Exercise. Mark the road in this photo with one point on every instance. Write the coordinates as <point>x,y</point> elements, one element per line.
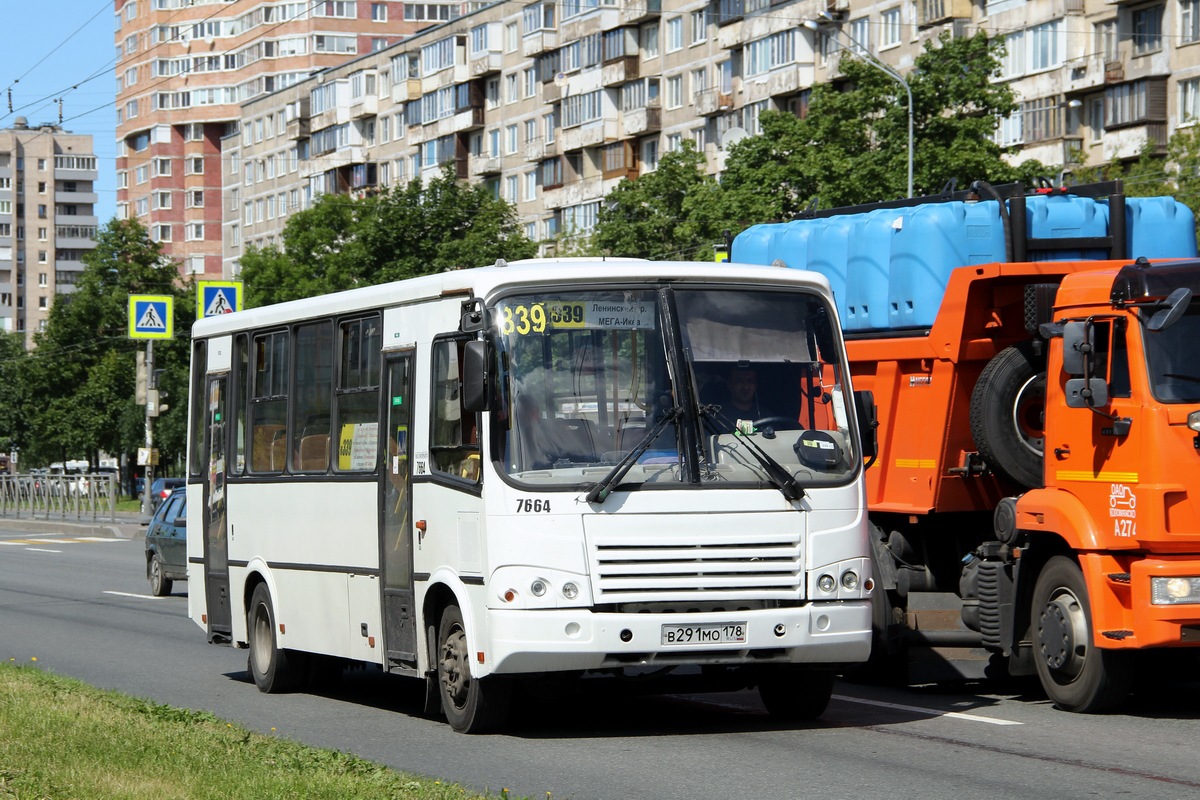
<point>80,605</point>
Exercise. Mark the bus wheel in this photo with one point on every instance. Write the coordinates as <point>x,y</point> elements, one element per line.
<point>471,705</point>
<point>1077,675</point>
<point>795,694</point>
<point>268,664</point>
<point>160,584</point>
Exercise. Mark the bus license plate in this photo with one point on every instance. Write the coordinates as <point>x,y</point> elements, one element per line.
<point>719,633</point>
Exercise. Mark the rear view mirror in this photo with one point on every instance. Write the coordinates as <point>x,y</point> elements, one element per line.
<point>868,422</point>
<point>1176,303</point>
<point>477,376</point>
<point>1086,393</point>
<point>1078,342</point>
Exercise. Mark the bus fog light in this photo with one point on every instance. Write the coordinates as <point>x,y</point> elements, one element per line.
<point>826,583</point>
<point>538,587</point>
<point>1174,591</point>
<point>850,580</point>
<point>570,591</point>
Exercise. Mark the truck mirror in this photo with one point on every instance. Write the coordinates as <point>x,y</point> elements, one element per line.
<point>868,422</point>
<point>1176,303</point>
<point>1078,342</point>
<point>1086,393</point>
<point>477,376</point>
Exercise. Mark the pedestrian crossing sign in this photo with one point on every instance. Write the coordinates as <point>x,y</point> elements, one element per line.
<point>151,316</point>
<point>214,298</point>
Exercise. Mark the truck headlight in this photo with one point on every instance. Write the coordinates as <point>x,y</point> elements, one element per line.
<point>1174,591</point>
<point>1194,421</point>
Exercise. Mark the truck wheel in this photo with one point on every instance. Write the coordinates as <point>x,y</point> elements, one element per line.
<point>794,694</point>
<point>1008,415</point>
<point>1077,675</point>
<point>471,705</point>
<point>272,668</point>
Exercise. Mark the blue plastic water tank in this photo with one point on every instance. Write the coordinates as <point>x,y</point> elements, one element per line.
<point>792,242</point>
<point>868,259</point>
<point>1065,217</point>
<point>828,252</point>
<point>753,245</point>
<point>930,243</point>
<point>1159,227</point>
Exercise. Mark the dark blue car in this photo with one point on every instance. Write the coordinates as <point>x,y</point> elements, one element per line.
<point>166,544</point>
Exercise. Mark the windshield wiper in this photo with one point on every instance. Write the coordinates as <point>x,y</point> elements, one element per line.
<point>600,492</point>
<point>777,474</point>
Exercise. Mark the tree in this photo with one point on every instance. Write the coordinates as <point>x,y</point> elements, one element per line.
<point>13,399</point>
<point>669,213</point>
<point>418,229</point>
<point>852,145</point>
<point>80,377</point>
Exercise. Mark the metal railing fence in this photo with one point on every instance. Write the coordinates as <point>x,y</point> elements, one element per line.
<point>91,496</point>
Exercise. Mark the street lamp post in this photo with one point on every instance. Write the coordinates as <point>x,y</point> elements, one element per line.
<point>861,50</point>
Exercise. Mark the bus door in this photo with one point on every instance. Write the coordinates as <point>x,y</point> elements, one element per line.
<point>216,533</point>
<point>399,620</point>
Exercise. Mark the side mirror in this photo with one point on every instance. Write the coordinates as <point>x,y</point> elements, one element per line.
<point>1086,393</point>
<point>868,422</point>
<point>1176,303</point>
<point>477,376</point>
<point>1078,343</point>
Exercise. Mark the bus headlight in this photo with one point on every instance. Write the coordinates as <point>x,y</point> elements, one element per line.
<point>538,587</point>
<point>1174,591</point>
<point>570,590</point>
<point>826,583</point>
<point>850,580</point>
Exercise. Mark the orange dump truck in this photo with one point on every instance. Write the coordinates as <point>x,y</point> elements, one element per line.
<point>1039,443</point>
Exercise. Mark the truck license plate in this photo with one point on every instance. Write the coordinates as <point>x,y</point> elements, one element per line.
<point>717,633</point>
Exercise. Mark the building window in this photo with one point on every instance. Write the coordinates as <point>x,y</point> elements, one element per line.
<point>510,139</point>
<point>379,12</point>
<point>674,34</point>
<point>699,26</point>
<point>1045,51</point>
<point>767,54</point>
<point>1189,101</point>
<point>194,231</point>
<point>195,264</point>
<point>530,185</point>
<point>650,41</point>
<point>860,33</point>
<point>1131,103</point>
<point>889,28</point>
<point>161,233</point>
<point>1042,119</point>
<point>162,166</point>
<point>1147,30</point>
<point>649,155</point>
<point>1189,21</point>
<point>675,91</point>
<point>1106,40</point>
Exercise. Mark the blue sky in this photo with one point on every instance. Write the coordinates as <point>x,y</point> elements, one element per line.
<point>49,47</point>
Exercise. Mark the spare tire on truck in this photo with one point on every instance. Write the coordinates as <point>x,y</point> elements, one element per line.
<point>1008,415</point>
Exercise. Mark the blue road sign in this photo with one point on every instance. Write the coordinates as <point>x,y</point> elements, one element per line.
<point>151,316</point>
<point>218,297</point>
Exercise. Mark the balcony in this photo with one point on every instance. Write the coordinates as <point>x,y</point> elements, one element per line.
<point>602,18</point>
<point>1083,74</point>
<point>642,120</point>
<point>1114,71</point>
<point>589,134</point>
<point>298,128</point>
<point>638,10</point>
<point>486,64</point>
<point>406,90</point>
<point>935,12</point>
<point>1131,140</point>
<point>465,120</point>
<point>76,197</point>
<point>481,165</point>
<point>626,68</point>
<point>459,73</point>
<point>541,42</point>
<point>712,101</point>
<point>535,150</point>
<point>365,106</point>
<point>785,81</point>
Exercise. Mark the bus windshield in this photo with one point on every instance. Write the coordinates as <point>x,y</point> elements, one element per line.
<point>700,385</point>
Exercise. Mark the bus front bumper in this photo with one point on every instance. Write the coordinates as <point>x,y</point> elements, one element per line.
<point>524,641</point>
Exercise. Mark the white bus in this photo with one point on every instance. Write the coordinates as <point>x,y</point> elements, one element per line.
<point>496,474</point>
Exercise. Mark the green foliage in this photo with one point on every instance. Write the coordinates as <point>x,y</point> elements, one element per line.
<point>75,390</point>
<point>665,214</point>
<point>418,229</point>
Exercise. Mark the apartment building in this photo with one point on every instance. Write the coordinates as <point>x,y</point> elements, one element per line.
<point>552,103</point>
<point>47,220</point>
<point>183,69</point>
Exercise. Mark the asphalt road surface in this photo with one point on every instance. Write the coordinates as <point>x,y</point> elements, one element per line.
<point>81,606</point>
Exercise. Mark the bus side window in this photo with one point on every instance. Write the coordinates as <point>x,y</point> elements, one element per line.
<point>268,402</point>
<point>356,429</point>
<point>454,447</point>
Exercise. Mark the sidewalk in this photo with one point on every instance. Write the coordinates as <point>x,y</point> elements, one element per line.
<point>128,525</point>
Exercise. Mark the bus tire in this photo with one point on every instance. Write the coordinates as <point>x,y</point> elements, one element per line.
<point>1076,675</point>
<point>795,694</point>
<point>270,666</point>
<point>160,584</point>
<point>1008,415</point>
<point>470,704</point>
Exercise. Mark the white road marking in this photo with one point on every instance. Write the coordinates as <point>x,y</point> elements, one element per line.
<point>138,596</point>
<point>41,550</point>
<point>932,712</point>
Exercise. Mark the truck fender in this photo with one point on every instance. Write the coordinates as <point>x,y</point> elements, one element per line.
<point>1060,513</point>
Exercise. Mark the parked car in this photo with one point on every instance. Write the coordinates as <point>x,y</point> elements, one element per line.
<point>166,544</point>
<point>161,489</point>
